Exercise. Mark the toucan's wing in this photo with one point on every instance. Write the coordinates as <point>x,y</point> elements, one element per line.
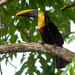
<point>54,33</point>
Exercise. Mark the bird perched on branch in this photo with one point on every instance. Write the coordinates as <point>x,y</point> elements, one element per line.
<point>49,32</point>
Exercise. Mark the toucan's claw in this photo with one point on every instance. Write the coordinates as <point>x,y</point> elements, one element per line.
<point>42,43</point>
<point>55,45</point>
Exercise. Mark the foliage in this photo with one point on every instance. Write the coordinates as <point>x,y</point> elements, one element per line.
<point>12,26</point>
<point>70,68</point>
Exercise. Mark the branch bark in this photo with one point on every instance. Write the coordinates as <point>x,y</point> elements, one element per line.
<point>37,47</point>
<point>4,1</point>
<point>68,6</point>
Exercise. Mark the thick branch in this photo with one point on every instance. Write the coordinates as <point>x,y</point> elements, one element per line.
<point>4,1</point>
<point>37,47</point>
<point>68,6</point>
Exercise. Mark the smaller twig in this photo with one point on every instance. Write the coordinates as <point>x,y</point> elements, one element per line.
<point>12,65</point>
<point>1,29</point>
<point>67,34</point>
<point>7,60</point>
<point>22,31</point>
<point>25,34</point>
<point>68,6</point>
<point>2,58</point>
<point>11,20</point>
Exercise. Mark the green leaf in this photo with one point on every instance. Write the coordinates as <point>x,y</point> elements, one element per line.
<point>11,56</point>
<point>71,38</point>
<point>23,57</point>
<point>23,3</point>
<point>13,38</point>
<point>60,3</point>
<point>68,68</point>
<point>59,72</point>
<point>6,60</point>
<point>15,54</point>
<point>74,66</point>
<point>73,60</point>
<point>70,13</point>
<point>21,70</point>
<point>33,4</point>
<point>50,3</point>
<point>71,71</point>
<point>64,73</point>
<point>5,11</point>
<point>1,42</point>
<point>19,41</point>
<point>41,3</point>
<point>24,38</point>
<point>65,25</point>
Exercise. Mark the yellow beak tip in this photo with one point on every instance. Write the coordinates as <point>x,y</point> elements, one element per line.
<point>16,15</point>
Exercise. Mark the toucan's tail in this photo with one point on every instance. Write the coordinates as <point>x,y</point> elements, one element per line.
<point>61,63</point>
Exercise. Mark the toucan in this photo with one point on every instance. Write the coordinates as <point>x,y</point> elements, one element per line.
<point>49,32</point>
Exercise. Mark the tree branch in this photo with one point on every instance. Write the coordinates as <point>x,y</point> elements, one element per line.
<point>4,1</point>
<point>68,6</point>
<point>37,47</point>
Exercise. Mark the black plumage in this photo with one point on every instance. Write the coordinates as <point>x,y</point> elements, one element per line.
<point>51,35</point>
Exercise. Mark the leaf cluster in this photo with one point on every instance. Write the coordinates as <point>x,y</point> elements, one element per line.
<point>70,68</point>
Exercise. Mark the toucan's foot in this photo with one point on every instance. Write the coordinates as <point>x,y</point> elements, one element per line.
<point>42,43</point>
<point>55,45</point>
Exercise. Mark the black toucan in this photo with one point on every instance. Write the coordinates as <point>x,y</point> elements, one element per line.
<point>49,32</point>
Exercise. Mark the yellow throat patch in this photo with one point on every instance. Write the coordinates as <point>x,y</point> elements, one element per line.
<point>41,20</point>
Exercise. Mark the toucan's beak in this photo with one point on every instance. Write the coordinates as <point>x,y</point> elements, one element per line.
<point>30,13</point>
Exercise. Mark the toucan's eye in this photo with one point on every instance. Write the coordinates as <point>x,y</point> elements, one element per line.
<point>39,11</point>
